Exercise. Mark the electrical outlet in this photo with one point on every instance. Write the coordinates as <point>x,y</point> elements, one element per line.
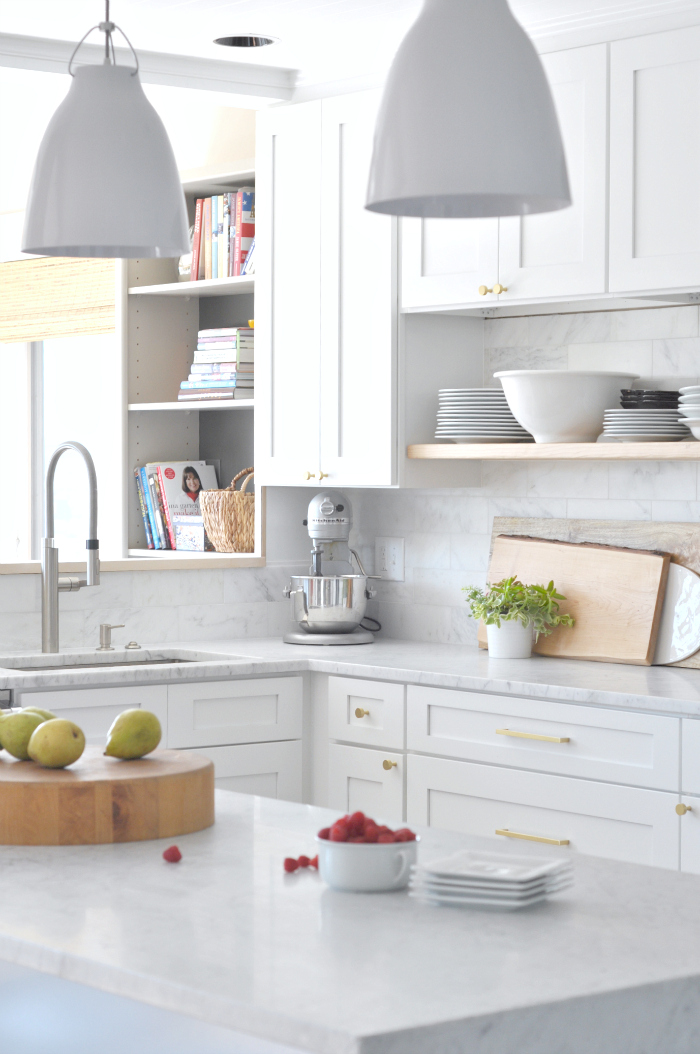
<point>389,559</point>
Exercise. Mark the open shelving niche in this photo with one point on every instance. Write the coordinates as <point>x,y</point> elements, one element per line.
<point>162,317</point>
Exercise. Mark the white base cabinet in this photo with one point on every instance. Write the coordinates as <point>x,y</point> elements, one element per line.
<point>226,712</point>
<point>94,709</point>
<point>621,823</point>
<point>272,770</point>
<point>359,780</point>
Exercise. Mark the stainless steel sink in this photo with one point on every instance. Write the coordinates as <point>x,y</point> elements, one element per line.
<point>119,657</point>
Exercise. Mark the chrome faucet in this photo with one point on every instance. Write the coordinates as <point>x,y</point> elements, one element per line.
<point>51,583</point>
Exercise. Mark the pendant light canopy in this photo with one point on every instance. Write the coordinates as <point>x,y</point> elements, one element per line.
<point>105,181</point>
<point>467,125</point>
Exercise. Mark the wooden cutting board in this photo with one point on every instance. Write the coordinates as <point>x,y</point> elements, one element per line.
<point>614,594</point>
<point>99,799</point>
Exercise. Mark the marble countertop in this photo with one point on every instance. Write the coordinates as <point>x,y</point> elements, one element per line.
<point>656,689</point>
<point>225,936</point>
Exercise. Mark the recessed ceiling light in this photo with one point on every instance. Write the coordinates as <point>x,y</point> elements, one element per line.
<point>246,40</point>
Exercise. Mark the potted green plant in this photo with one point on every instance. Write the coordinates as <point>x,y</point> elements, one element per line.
<point>514,613</point>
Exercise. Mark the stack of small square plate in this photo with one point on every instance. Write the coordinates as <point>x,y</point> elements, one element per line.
<point>490,880</point>
<point>477,415</point>
<point>644,425</point>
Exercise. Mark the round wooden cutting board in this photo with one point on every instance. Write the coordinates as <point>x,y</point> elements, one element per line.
<point>100,799</point>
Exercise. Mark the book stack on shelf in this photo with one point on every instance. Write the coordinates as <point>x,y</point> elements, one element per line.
<point>223,241</point>
<point>169,501</point>
<point>223,366</point>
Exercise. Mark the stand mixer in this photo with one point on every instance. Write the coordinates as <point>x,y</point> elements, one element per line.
<point>329,603</point>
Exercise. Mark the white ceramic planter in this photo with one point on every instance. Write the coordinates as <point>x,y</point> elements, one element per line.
<point>511,641</point>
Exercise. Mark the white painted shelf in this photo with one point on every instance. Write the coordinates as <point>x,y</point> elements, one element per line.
<point>206,287</point>
<point>206,404</point>
<point>557,451</point>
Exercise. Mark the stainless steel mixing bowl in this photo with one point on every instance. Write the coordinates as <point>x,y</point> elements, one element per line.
<point>329,603</point>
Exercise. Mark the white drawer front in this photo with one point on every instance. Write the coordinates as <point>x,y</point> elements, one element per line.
<point>621,823</point>
<point>223,712</point>
<point>370,713</point>
<point>638,749</point>
<point>272,770</point>
<point>94,709</point>
<point>357,780</point>
<point>690,764</point>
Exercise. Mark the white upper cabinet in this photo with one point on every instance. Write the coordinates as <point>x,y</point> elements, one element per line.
<point>655,162</point>
<point>444,262</point>
<point>563,253</point>
<point>287,294</point>
<point>326,301</point>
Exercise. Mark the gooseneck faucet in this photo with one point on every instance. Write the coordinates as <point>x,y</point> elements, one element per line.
<point>51,583</point>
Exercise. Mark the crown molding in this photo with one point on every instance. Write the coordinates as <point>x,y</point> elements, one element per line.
<point>181,71</point>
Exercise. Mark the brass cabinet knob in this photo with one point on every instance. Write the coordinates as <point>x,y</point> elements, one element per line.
<point>322,475</point>
<point>389,765</point>
<point>498,288</point>
<point>361,713</point>
<point>682,809</point>
<point>484,289</point>
<point>309,475</point>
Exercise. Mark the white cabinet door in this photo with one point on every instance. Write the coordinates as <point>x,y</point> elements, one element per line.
<point>370,713</point>
<point>690,756</point>
<point>443,262</point>
<point>358,304</point>
<point>94,709</point>
<point>272,770</point>
<point>655,161</point>
<point>357,780</point>
<point>287,294</point>
<point>621,823</point>
<point>218,712</point>
<point>564,253</point>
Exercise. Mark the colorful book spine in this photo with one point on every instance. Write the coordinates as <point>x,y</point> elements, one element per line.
<point>166,508</point>
<point>144,510</point>
<point>149,506</point>
<point>213,367</point>
<point>231,233</point>
<point>245,226</point>
<point>155,501</point>
<point>205,378</point>
<point>249,265</point>
<point>197,240</point>
<point>184,385</point>
<point>207,396</point>
<point>215,237</point>
<point>207,237</point>
<point>223,234</point>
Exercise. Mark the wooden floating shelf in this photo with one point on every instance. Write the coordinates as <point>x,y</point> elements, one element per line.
<point>556,451</point>
<point>207,287</point>
<point>206,404</point>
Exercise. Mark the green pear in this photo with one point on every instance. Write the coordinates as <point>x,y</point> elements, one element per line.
<point>17,730</point>
<point>46,714</point>
<point>132,734</point>
<point>56,743</point>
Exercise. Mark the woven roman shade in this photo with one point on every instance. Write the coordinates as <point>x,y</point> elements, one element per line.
<point>50,297</point>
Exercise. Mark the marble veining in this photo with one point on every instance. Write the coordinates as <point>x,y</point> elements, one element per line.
<point>227,937</point>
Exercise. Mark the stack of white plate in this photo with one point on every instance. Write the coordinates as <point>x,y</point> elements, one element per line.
<point>689,407</point>
<point>477,415</point>
<point>490,880</point>
<point>644,426</point>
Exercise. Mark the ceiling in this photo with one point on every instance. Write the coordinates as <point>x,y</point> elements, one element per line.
<point>322,39</point>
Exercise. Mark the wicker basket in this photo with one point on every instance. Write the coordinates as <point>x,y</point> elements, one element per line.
<point>229,516</point>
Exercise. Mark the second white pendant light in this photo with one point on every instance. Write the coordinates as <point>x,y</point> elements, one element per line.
<point>467,125</point>
<point>105,181</point>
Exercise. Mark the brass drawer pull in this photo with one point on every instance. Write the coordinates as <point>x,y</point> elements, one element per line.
<point>531,837</point>
<point>531,735</point>
<point>361,713</point>
<point>389,765</point>
<point>682,809</point>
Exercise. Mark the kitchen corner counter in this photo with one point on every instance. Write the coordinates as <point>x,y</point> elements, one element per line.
<point>226,937</point>
<point>653,689</point>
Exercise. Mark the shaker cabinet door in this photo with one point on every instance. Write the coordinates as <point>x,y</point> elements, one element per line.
<point>443,262</point>
<point>563,253</point>
<point>358,780</point>
<point>655,161</point>
<point>271,770</point>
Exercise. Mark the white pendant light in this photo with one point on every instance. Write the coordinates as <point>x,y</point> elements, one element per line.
<point>105,181</point>
<point>467,125</point>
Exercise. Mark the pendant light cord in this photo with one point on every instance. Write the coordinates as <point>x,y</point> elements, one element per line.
<point>107,28</point>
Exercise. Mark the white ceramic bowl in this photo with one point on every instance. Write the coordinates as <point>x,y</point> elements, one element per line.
<point>694,426</point>
<point>563,406</point>
<point>355,867</point>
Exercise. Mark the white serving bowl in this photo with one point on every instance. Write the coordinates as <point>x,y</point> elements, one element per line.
<point>563,406</point>
<point>356,867</point>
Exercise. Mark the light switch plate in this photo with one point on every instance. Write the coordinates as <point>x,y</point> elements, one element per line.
<point>389,559</point>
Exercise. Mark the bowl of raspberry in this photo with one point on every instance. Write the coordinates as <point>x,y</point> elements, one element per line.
<point>358,855</point>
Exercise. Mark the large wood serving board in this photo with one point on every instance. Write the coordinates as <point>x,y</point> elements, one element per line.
<point>614,594</point>
<point>681,540</point>
<point>100,799</point>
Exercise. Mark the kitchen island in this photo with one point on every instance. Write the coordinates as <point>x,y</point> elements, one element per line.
<point>226,937</point>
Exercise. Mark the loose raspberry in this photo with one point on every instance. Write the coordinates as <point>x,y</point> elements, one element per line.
<point>356,823</point>
<point>303,861</point>
<point>290,864</point>
<point>172,855</point>
<point>384,839</point>
<point>404,835</point>
<point>325,832</point>
<point>384,829</point>
<point>356,838</point>
<point>313,862</point>
<point>371,833</point>
<point>339,832</point>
